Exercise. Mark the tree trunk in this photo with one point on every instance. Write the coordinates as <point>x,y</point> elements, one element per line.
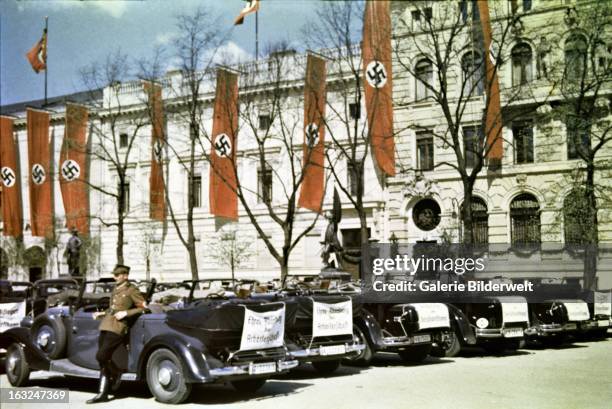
<point>120,217</point>
<point>592,240</point>
<point>466,213</point>
<point>191,242</point>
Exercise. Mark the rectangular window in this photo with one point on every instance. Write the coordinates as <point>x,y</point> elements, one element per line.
<point>425,151</point>
<point>264,122</point>
<point>264,185</point>
<point>126,197</point>
<point>526,5</point>
<point>428,13</point>
<point>523,141</point>
<point>353,177</point>
<point>355,110</point>
<point>197,191</point>
<point>416,16</point>
<point>472,143</point>
<point>123,140</point>
<point>578,138</point>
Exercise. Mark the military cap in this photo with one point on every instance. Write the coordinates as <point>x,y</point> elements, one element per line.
<point>121,269</point>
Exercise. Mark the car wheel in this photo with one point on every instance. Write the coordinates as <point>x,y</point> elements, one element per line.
<point>365,356</point>
<point>326,367</point>
<point>165,377</point>
<point>16,365</point>
<point>249,385</point>
<point>49,335</point>
<point>415,354</point>
<point>452,346</point>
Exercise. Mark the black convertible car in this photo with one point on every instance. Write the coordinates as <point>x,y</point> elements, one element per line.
<point>213,339</point>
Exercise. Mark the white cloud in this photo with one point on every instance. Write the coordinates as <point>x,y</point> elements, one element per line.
<point>231,53</point>
<point>115,8</point>
<point>165,38</point>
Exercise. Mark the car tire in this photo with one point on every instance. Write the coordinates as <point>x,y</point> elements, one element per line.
<point>415,354</point>
<point>365,356</point>
<point>326,367</point>
<point>249,385</point>
<point>49,335</point>
<point>16,365</point>
<point>165,377</point>
<point>452,347</point>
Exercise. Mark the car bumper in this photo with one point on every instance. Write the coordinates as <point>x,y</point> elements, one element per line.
<point>545,330</point>
<point>394,342</point>
<point>254,369</point>
<point>593,324</point>
<point>492,333</point>
<point>327,352</point>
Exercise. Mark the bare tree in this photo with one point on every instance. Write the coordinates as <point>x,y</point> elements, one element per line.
<point>231,250</point>
<point>580,63</point>
<point>114,127</point>
<point>451,71</point>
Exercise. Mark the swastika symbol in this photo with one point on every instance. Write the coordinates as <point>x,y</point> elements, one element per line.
<point>38,174</point>
<point>70,170</point>
<point>312,135</point>
<point>223,146</point>
<point>8,176</point>
<point>376,74</point>
<point>158,149</point>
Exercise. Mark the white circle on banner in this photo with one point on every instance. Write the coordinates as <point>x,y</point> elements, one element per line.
<point>70,170</point>
<point>376,74</point>
<point>8,176</point>
<point>312,135</point>
<point>223,146</point>
<point>38,174</point>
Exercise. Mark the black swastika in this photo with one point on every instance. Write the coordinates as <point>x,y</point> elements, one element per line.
<point>38,174</point>
<point>70,170</point>
<point>376,74</point>
<point>223,146</point>
<point>8,177</point>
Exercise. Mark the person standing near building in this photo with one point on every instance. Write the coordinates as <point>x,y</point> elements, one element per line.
<point>126,301</point>
<point>73,253</point>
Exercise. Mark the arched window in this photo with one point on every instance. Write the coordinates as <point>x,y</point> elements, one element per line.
<point>480,221</point>
<point>473,74</point>
<point>575,57</point>
<point>424,75</point>
<point>525,219</point>
<point>575,218</point>
<point>521,64</point>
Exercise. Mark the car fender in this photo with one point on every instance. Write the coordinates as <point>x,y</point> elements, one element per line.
<point>368,324</point>
<point>461,325</point>
<point>35,357</point>
<point>194,365</point>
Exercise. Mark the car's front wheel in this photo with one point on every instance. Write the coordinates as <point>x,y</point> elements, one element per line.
<point>365,356</point>
<point>16,365</point>
<point>249,385</point>
<point>165,377</point>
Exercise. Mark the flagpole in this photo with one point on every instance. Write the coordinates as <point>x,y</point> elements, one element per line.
<point>257,35</point>
<point>46,57</point>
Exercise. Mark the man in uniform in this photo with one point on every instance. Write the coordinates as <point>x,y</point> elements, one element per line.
<point>125,301</point>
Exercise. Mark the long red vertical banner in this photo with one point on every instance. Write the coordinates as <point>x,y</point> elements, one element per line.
<point>312,188</point>
<point>157,201</point>
<point>378,75</point>
<point>493,121</point>
<point>40,181</point>
<point>12,214</point>
<point>223,197</point>
<point>73,169</point>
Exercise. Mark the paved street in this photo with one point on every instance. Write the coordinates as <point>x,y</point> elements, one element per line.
<point>577,376</point>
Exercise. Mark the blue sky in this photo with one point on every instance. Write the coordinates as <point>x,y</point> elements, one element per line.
<point>81,32</point>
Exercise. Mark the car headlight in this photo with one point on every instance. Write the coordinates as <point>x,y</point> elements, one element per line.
<point>482,323</point>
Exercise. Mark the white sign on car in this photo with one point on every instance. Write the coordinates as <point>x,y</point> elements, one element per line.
<point>603,303</point>
<point>432,315</point>
<point>332,319</point>
<point>263,329</point>
<point>577,310</point>
<point>514,309</point>
<point>11,314</point>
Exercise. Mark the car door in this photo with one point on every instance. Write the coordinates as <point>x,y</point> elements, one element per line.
<point>84,335</point>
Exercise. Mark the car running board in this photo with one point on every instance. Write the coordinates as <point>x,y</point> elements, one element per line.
<point>66,367</point>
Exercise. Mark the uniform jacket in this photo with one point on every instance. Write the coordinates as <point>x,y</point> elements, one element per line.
<point>125,297</point>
